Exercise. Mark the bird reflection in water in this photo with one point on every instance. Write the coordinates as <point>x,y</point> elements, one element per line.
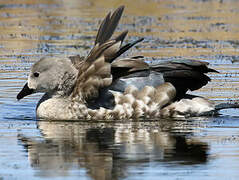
<point>108,150</point>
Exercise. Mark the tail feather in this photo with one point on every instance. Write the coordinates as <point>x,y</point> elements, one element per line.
<point>219,107</point>
<point>226,106</point>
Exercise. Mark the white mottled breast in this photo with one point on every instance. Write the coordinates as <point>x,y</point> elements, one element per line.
<point>53,108</point>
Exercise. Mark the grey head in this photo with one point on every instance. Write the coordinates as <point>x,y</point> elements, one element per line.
<point>51,75</point>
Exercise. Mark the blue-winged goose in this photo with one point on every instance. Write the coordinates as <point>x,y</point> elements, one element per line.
<point>102,86</point>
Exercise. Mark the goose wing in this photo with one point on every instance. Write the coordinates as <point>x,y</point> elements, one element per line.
<point>184,74</point>
<point>94,71</point>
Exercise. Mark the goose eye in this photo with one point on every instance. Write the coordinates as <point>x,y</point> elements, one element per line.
<point>36,74</point>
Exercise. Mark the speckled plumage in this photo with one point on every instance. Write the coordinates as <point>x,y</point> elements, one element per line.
<point>101,86</point>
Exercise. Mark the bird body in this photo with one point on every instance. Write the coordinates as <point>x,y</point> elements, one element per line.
<point>103,86</point>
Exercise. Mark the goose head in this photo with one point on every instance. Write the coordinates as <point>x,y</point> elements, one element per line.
<point>51,75</point>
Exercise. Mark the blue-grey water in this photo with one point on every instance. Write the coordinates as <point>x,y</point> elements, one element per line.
<point>194,148</point>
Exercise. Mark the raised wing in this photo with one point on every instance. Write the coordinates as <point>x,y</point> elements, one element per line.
<point>95,70</point>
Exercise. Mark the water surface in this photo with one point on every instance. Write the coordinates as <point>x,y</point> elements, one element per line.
<point>205,148</point>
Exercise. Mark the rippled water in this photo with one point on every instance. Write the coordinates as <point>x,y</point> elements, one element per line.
<point>195,148</point>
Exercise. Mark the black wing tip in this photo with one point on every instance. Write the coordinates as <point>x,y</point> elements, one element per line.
<point>139,40</point>
<point>213,70</point>
<point>135,42</point>
<point>120,8</point>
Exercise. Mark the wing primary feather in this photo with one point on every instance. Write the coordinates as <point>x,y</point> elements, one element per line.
<point>103,26</point>
<point>109,25</point>
<point>122,36</point>
<point>97,51</point>
<point>125,48</point>
<point>212,70</point>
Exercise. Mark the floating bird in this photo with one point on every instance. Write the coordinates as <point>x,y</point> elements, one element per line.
<point>104,86</point>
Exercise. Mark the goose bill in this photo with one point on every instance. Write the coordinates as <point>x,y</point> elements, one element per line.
<point>24,92</point>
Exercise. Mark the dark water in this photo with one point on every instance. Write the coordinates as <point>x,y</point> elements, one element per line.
<point>195,148</point>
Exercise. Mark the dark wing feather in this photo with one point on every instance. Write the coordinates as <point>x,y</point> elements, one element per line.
<point>108,26</point>
<point>99,50</point>
<point>104,34</point>
<point>184,80</point>
<point>123,49</point>
<point>125,67</point>
<point>196,65</point>
<point>185,64</point>
<point>122,36</point>
<point>184,74</point>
